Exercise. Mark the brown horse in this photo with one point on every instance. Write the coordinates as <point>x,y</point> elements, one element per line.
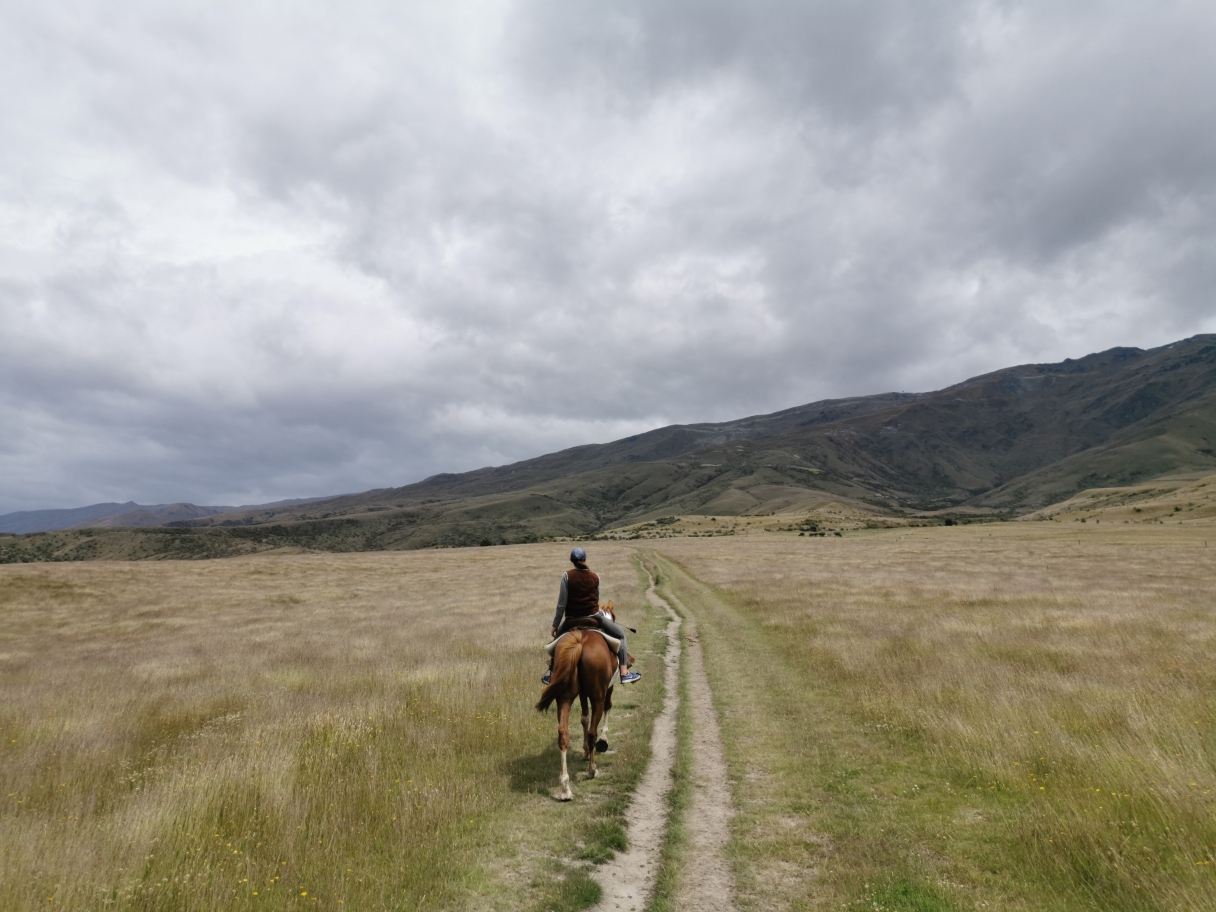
<point>584,667</point>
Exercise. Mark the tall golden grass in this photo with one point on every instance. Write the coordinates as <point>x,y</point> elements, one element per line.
<point>1016,715</point>
<point>328,731</point>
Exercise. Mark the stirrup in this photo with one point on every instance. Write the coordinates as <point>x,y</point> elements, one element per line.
<point>630,676</point>
<point>545,678</point>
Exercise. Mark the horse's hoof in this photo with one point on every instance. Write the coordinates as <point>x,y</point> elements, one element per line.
<point>563,797</point>
<point>601,746</point>
<point>592,773</point>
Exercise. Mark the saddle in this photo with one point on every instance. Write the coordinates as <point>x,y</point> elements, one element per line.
<point>585,623</point>
<point>576,623</point>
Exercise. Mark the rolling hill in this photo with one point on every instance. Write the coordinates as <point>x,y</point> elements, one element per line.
<point>118,515</point>
<point>24,521</point>
<point>999,445</point>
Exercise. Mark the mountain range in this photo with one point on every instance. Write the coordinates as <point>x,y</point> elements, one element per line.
<point>999,445</point>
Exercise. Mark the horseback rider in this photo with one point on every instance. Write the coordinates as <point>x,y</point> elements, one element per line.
<point>579,597</point>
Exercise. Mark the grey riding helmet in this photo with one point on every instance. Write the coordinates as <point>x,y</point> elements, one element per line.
<point>578,556</point>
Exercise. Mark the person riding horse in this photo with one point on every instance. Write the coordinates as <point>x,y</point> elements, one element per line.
<point>578,598</point>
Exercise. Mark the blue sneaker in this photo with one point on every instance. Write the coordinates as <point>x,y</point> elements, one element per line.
<point>630,676</point>
<point>544,679</point>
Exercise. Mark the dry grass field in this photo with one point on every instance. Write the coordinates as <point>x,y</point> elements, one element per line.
<point>315,731</point>
<point>1005,716</point>
<point>1002,716</point>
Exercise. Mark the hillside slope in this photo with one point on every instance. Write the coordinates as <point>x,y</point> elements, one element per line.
<point>1025,436</point>
<point>1176,500</point>
<point>1006,441</point>
<point>1001,444</point>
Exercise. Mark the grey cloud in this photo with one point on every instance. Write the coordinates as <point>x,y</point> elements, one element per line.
<point>1109,126</point>
<point>248,254</point>
<point>845,62</point>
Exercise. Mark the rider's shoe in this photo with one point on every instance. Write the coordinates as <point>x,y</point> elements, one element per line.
<point>630,676</point>
<point>544,679</point>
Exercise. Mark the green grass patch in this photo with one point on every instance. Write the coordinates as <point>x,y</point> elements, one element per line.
<point>604,838</point>
<point>572,891</point>
<point>905,895</point>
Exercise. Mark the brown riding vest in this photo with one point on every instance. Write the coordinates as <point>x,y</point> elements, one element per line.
<point>582,593</point>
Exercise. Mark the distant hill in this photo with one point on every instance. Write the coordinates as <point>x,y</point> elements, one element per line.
<point>159,515</point>
<point>120,515</point>
<point>999,445</point>
<point>47,520</point>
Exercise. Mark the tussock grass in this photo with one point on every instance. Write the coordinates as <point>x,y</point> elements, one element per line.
<point>970,715</point>
<point>344,731</point>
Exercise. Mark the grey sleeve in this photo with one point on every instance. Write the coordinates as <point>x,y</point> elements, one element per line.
<point>562,595</point>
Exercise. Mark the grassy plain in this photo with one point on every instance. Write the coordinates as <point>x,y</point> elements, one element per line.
<point>314,731</point>
<point>1004,716</point>
<point>1000,716</point>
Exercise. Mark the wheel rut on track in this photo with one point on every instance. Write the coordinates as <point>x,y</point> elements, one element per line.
<point>706,879</point>
<point>628,880</point>
<point>707,882</point>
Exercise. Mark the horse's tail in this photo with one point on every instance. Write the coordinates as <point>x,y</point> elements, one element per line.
<point>565,667</point>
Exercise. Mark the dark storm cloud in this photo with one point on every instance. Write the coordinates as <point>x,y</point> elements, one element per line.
<point>247,253</point>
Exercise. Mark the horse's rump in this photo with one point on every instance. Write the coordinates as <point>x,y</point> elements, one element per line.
<point>565,668</point>
<point>567,657</point>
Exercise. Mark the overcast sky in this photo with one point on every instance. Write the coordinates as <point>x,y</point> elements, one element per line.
<point>261,250</point>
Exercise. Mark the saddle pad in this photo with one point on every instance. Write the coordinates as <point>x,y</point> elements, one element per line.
<point>613,643</point>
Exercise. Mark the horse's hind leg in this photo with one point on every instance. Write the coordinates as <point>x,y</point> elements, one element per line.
<point>601,743</point>
<point>588,741</point>
<point>563,744</point>
<point>597,712</point>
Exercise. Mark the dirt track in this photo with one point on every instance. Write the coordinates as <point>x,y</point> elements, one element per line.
<point>628,880</point>
<point>706,882</point>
